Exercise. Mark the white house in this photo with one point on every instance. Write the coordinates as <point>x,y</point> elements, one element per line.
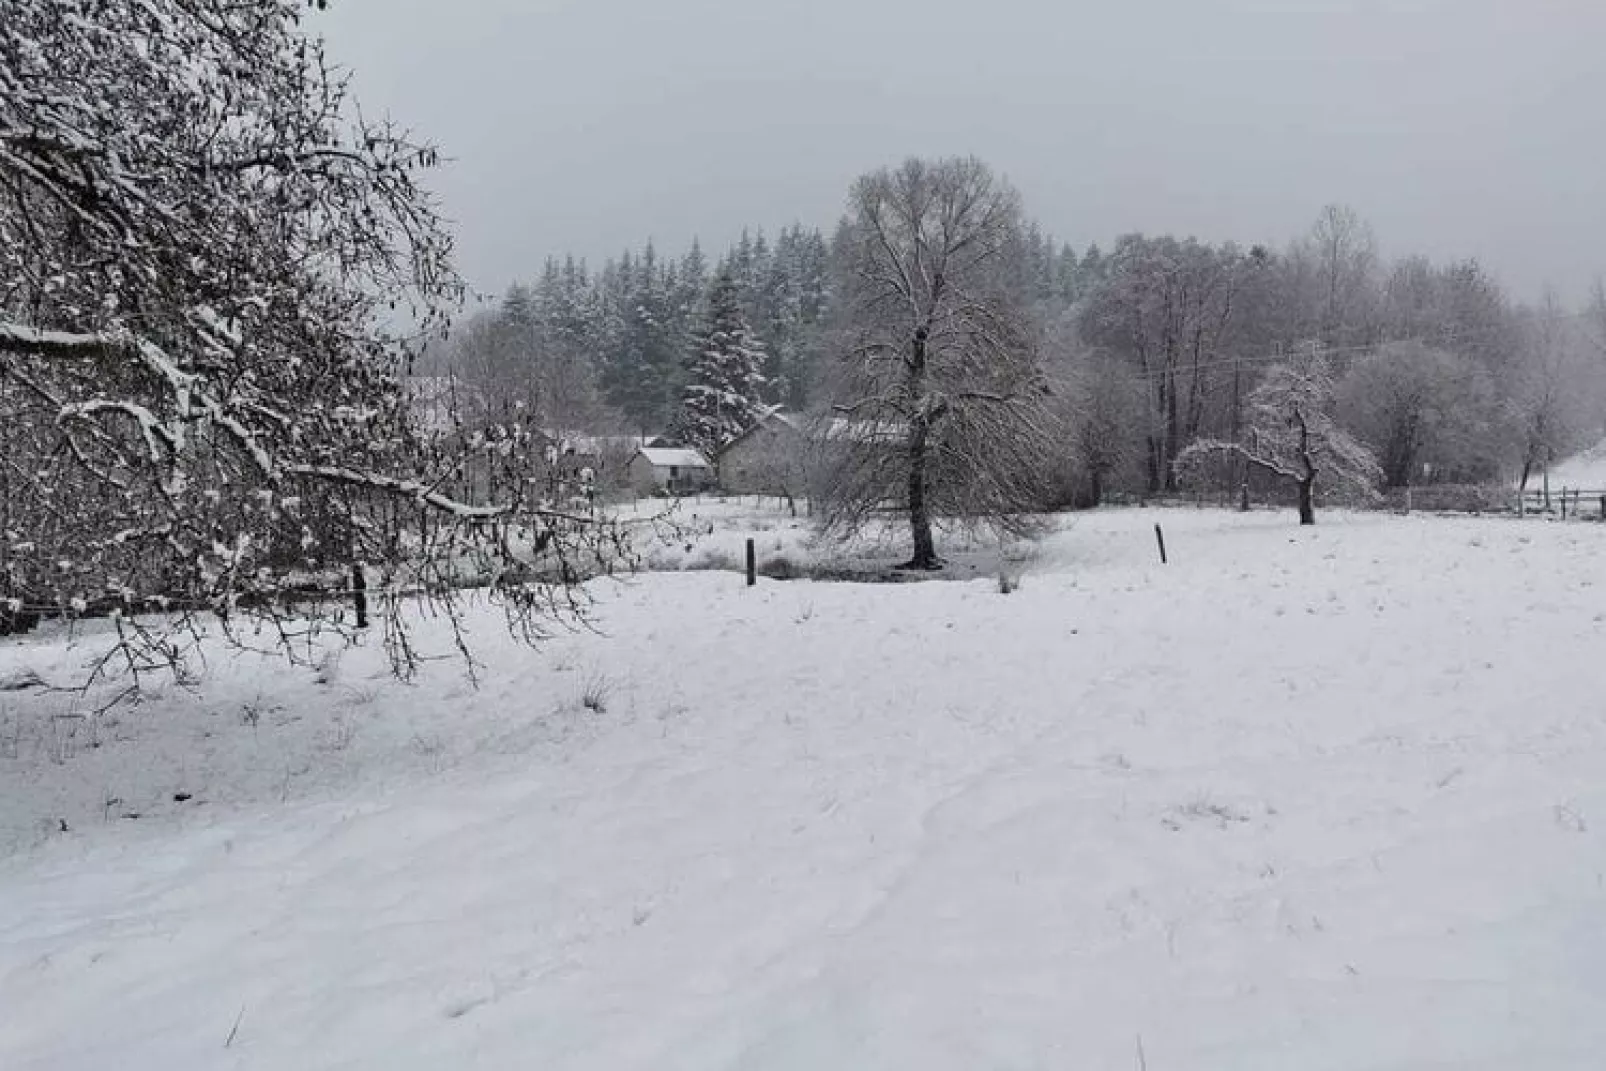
<point>675,469</point>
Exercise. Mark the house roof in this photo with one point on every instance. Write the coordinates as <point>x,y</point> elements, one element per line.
<point>673,457</point>
<point>866,431</point>
<point>593,445</point>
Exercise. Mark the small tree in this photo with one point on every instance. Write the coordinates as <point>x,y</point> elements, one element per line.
<point>724,383</point>
<point>1291,434</point>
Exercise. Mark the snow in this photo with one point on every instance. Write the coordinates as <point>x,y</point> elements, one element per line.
<point>1302,799</point>
<point>710,532</point>
<point>1585,471</point>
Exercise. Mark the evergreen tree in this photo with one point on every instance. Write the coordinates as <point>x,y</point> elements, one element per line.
<point>692,281</point>
<point>511,375</point>
<point>723,392</point>
<point>640,335</point>
<point>1067,275</point>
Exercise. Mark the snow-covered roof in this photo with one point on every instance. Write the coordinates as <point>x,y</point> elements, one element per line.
<point>841,429</point>
<point>680,457</point>
<point>778,412</point>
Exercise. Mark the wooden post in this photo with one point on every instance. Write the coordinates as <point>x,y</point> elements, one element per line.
<point>1564,503</point>
<point>752,564</point>
<point>1159,537</point>
<point>1603,507</point>
<point>359,593</point>
<point>1243,497</point>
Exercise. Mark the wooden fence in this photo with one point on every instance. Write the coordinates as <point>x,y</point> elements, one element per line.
<point>1568,503</point>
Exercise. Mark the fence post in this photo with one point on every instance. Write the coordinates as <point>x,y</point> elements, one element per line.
<point>1159,537</point>
<point>752,564</point>
<point>1564,503</point>
<point>359,593</point>
<point>1603,507</point>
<point>1243,497</point>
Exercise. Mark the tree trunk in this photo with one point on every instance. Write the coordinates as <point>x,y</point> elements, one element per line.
<point>1173,433</point>
<point>925,549</point>
<point>1096,492</point>
<point>925,552</point>
<point>1154,463</point>
<point>1307,482</point>
<point>1307,501</point>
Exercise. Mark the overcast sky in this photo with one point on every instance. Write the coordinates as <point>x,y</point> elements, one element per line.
<point>1457,127</point>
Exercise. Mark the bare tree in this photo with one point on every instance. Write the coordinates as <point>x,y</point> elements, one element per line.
<point>940,396</point>
<point>1552,395</point>
<point>1416,406</point>
<point>1343,253</point>
<point>1596,315</point>
<point>1291,434</point>
<point>200,239</point>
<point>1166,306</point>
<point>1100,408</point>
<point>1595,318</point>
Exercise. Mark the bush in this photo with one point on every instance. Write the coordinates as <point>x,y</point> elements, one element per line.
<point>779,568</point>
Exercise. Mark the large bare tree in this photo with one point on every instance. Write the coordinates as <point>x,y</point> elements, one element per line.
<point>201,241</point>
<point>940,402</point>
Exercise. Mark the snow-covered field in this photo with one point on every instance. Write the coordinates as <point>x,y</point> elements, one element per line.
<point>1302,799</point>
<point>710,532</point>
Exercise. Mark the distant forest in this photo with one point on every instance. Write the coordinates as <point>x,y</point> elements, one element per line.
<point>1151,344</point>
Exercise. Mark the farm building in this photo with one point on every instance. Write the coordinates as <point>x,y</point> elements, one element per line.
<point>603,460</point>
<point>674,469</point>
<point>768,458</point>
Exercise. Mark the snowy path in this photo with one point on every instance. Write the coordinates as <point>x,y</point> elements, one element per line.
<point>1322,799</point>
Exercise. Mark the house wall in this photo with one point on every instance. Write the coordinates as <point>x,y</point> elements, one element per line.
<point>769,461</point>
<point>688,479</point>
<point>645,478</point>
